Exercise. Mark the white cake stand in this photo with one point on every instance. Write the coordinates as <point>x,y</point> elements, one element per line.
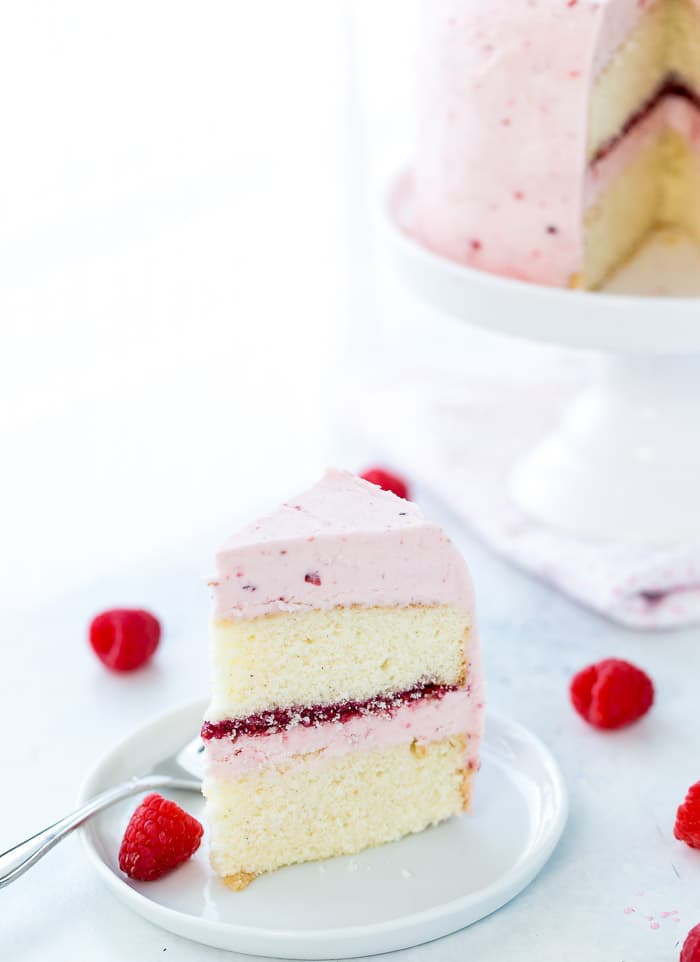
<point>624,463</point>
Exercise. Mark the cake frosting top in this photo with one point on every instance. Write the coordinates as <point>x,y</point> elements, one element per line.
<point>341,502</point>
<point>342,542</point>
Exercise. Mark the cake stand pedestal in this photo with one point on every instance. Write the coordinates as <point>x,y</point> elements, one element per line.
<point>624,463</point>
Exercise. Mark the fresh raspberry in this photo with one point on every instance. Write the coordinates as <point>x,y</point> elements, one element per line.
<point>687,827</point>
<point>612,693</point>
<point>159,837</point>
<point>387,481</point>
<point>691,947</point>
<point>124,638</point>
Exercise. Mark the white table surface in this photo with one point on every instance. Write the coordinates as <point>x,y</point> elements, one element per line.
<point>618,852</point>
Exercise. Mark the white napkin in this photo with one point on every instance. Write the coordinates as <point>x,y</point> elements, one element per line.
<point>460,433</point>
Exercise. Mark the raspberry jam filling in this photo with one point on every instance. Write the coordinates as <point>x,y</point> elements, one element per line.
<point>671,87</point>
<point>281,719</point>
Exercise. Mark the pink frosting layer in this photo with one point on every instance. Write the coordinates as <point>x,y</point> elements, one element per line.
<point>455,713</point>
<point>342,542</point>
<point>674,113</point>
<point>501,149</point>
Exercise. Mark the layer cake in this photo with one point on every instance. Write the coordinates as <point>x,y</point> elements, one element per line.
<point>555,135</point>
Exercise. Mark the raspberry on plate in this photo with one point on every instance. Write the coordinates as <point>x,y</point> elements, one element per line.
<point>691,947</point>
<point>612,693</point>
<point>159,837</point>
<point>687,827</point>
<point>124,638</point>
<point>387,481</point>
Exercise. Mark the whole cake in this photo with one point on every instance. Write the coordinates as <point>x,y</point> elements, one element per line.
<point>554,135</point>
<point>347,699</point>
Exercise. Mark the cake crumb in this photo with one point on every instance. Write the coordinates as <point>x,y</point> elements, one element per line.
<point>239,881</point>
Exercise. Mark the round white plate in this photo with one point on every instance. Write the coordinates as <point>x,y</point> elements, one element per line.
<point>392,897</point>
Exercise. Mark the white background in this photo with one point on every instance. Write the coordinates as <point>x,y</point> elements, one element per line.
<point>188,265</point>
<point>173,271</point>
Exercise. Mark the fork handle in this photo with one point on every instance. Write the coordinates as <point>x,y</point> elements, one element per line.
<point>15,861</point>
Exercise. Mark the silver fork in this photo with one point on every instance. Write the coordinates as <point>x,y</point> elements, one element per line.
<point>180,770</point>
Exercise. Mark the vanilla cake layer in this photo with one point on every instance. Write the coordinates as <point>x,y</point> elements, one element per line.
<point>681,192</point>
<point>624,216</point>
<point>304,810</point>
<point>665,44</point>
<point>651,179</point>
<point>631,79</point>
<point>334,655</point>
<point>683,51</point>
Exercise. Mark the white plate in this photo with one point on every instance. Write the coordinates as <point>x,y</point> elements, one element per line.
<point>392,897</point>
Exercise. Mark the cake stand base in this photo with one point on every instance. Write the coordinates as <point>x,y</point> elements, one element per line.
<point>624,464</point>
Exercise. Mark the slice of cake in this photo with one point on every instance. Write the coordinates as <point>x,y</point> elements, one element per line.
<point>555,136</point>
<point>347,702</point>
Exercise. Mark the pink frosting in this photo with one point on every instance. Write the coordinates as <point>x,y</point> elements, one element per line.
<point>455,713</point>
<point>342,542</point>
<point>675,113</point>
<point>501,151</point>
